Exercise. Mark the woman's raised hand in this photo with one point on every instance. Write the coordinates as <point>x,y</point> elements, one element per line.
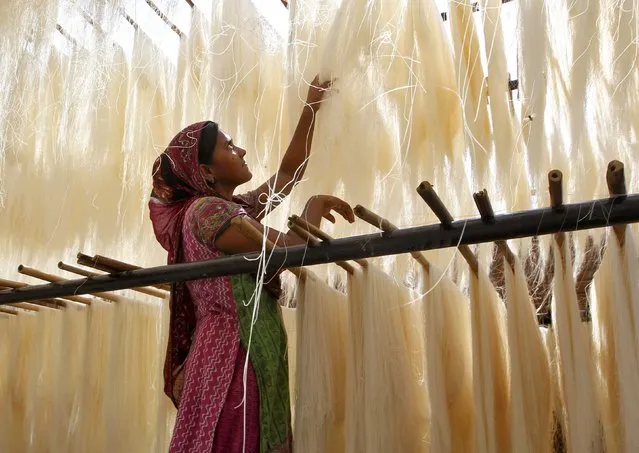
<point>321,206</point>
<point>317,91</point>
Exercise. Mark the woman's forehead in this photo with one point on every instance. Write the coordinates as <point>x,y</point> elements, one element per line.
<point>223,137</point>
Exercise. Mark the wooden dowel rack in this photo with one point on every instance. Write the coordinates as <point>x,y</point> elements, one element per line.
<point>602,213</point>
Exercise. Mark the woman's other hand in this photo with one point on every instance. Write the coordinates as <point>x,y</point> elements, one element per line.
<point>316,92</point>
<point>321,206</point>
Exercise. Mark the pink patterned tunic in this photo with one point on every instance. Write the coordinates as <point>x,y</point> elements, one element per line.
<point>211,412</point>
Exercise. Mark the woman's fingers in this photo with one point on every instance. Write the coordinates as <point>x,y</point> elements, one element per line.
<point>345,211</point>
<point>328,216</point>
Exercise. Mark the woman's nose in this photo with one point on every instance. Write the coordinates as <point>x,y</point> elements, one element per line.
<point>242,152</point>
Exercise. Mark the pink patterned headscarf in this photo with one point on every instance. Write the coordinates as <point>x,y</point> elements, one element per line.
<point>177,183</point>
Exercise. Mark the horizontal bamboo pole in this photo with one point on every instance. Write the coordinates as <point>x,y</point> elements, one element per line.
<point>601,213</point>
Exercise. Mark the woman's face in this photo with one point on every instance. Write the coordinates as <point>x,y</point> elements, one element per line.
<point>228,165</point>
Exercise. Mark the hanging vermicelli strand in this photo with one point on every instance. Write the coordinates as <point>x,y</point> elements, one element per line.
<point>558,429</point>
<point>92,432</point>
<point>135,336</point>
<point>72,377</point>
<point>510,181</point>
<point>24,359</point>
<point>46,370</point>
<point>614,318</point>
<point>448,365</point>
<point>533,85</point>
<point>490,367</point>
<point>321,376</point>
<point>395,419</point>
<point>8,330</point>
<point>355,398</point>
<point>531,395</point>
<point>471,86</point>
<point>576,371</point>
<point>289,318</point>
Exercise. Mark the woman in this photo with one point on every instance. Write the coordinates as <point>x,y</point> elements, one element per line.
<point>191,207</point>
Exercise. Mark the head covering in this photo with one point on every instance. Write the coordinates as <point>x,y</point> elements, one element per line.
<point>177,183</point>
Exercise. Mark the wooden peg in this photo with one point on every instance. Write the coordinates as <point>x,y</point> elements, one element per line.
<point>555,181</point>
<point>484,206</point>
<point>302,233</point>
<point>7,310</point>
<point>314,242</point>
<point>17,285</point>
<point>616,181</point>
<point>325,237</point>
<point>86,273</point>
<point>55,279</point>
<point>487,213</point>
<point>66,34</point>
<point>428,194</point>
<point>250,232</point>
<point>111,266</point>
<point>31,306</point>
<point>164,18</point>
<point>374,219</point>
<point>310,228</point>
<point>44,303</point>
<point>387,227</point>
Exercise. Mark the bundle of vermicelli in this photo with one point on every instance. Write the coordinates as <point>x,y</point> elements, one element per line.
<point>490,367</point>
<point>355,398</point>
<point>575,366</point>
<point>289,318</point>
<point>558,429</point>
<point>387,394</point>
<point>470,83</point>
<point>615,316</point>
<point>511,181</point>
<point>530,378</point>
<point>321,367</point>
<point>533,86</point>
<point>135,359</point>
<point>21,388</point>
<point>85,378</point>
<point>149,96</point>
<point>92,430</point>
<point>72,375</point>
<point>245,85</point>
<point>7,376</point>
<point>448,365</point>
<point>46,363</point>
<point>193,88</point>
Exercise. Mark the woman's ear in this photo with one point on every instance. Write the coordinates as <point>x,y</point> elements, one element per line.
<point>207,173</point>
